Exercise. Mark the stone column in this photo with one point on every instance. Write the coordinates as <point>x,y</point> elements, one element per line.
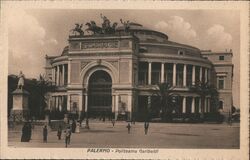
<point>174,74</point>
<point>208,105</point>
<point>206,75</point>
<point>193,75</point>
<point>184,75</point>
<point>205,105</point>
<point>116,105</point>
<point>63,74</point>
<point>80,102</point>
<point>200,109</point>
<point>69,71</point>
<point>129,107</point>
<point>86,103</point>
<point>56,97</point>
<point>162,72</point>
<point>166,73</point>
<point>57,75</point>
<point>113,104</point>
<point>184,105</point>
<point>200,74</point>
<point>193,105</point>
<point>53,75</point>
<point>149,73</point>
<point>68,103</point>
<point>60,103</point>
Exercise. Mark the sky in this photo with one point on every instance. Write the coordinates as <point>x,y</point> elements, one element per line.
<point>35,33</point>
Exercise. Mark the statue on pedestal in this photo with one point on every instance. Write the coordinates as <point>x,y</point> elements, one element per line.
<point>20,83</point>
<point>20,110</point>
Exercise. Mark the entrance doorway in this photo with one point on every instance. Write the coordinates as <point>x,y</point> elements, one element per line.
<point>100,95</point>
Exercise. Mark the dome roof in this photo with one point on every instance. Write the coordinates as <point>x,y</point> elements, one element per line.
<point>65,51</point>
<point>133,26</point>
<point>138,27</point>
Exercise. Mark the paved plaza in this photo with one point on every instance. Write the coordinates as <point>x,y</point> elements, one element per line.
<point>160,135</point>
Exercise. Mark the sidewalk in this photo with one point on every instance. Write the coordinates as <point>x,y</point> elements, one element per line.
<point>160,135</point>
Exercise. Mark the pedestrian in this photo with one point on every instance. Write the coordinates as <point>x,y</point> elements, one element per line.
<point>45,133</point>
<point>73,126</point>
<point>78,127</point>
<point>67,136</point>
<point>87,124</point>
<point>59,132</point>
<point>113,122</point>
<point>29,130</point>
<point>129,127</point>
<point>146,125</point>
<point>24,137</point>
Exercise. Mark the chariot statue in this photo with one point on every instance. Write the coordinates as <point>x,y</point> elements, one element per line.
<point>77,29</point>
<point>106,25</point>
<point>93,28</point>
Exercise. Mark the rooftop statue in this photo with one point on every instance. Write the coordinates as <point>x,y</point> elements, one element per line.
<point>93,27</point>
<point>125,24</point>
<point>106,26</point>
<point>78,29</point>
<point>20,83</point>
<point>106,22</point>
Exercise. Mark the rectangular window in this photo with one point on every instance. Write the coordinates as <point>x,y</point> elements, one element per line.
<point>221,58</point>
<point>221,84</point>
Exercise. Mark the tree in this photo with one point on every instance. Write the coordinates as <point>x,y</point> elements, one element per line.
<point>44,86</point>
<point>204,89</point>
<point>165,98</point>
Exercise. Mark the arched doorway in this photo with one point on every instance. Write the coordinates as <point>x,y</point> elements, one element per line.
<point>100,94</point>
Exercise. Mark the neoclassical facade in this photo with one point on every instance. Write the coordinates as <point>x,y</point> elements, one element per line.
<point>116,73</point>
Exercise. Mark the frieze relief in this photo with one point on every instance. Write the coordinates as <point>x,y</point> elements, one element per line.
<point>93,45</point>
<point>74,46</point>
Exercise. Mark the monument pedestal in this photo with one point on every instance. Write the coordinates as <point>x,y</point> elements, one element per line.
<point>20,110</point>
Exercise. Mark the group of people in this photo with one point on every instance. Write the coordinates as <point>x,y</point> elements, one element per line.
<point>73,128</point>
<point>26,132</point>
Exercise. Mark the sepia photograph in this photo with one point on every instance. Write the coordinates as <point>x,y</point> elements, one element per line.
<point>123,80</point>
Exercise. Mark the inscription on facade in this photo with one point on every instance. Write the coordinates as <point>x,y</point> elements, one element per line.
<point>92,45</point>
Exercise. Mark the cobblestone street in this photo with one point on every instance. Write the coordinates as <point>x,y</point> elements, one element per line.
<point>160,135</point>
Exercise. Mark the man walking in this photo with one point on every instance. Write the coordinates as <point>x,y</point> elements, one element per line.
<point>146,125</point>
<point>113,122</point>
<point>59,132</point>
<point>129,127</point>
<point>45,134</point>
<point>67,136</point>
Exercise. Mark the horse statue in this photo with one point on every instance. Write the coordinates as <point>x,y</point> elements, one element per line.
<point>110,30</point>
<point>126,25</point>
<point>93,28</point>
<point>77,29</point>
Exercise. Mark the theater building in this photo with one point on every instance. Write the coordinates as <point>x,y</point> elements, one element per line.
<point>116,73</point>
